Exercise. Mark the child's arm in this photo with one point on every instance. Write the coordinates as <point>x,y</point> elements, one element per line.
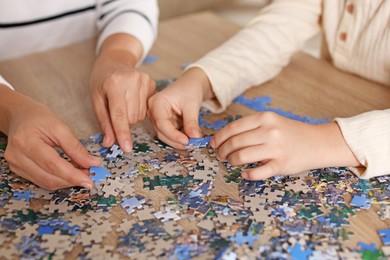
<point>119,91</point>
<point>33,132</point>
<point>258,52</point>
<point>254,55</point>
<point>368,136</point>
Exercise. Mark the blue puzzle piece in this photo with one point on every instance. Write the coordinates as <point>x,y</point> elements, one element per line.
<point>97,139</point>
<point>115,151</point>
<point>205,187</point>
<point>361,201</point>
<point>100,174</point>
<point>150,59</point>
<point>22,195</point>
<point>193,202</point>
<point>261,104</point>
<point>130,204</point>
<point>194,142</point>
<point>296,252</point>
<point>385,235</point>
<point>198,142</point>
<point>257,103</point>
<point>370,247</point>
<point>196,193</point>
<point>71,230</point>
<point>240,239</point>
<point>217,125</point>
<point>206,140</point>
<point>104,151</point>
<point>46,230</point>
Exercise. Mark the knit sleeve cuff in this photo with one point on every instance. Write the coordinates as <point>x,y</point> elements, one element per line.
<point>223,95</point>
<point>368,137</point>
<point>134,25</point>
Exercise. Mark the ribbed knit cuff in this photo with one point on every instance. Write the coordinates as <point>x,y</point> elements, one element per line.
<point>134,25</point>
<point>368,137</point>
<point>222,94</point>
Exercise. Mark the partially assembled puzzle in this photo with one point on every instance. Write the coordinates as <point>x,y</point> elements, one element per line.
<point>158,202</point>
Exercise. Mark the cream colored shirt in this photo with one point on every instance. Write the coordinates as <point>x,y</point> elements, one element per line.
<point>357,35</point>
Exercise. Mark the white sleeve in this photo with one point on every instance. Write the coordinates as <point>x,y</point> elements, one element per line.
<point>3,81</point>
<point>138,18</point>
<point>259,51</point>
<point>368,137</point>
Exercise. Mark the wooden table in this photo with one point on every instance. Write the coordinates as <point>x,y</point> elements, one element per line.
<point>308,86</point>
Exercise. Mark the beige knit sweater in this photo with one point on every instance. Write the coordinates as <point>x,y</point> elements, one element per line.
<point>357,34</point>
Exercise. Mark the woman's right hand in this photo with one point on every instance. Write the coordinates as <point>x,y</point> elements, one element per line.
<point>34,132</point>
<point>178,106</point>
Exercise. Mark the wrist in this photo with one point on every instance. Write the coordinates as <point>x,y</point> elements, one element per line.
<point>9,101</point>
<point>333,150</point>
<point>117,56</point>
<point>197,77</point>
<point>122,48</point>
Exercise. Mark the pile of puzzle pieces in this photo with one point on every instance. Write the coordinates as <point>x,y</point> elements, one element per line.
<point>158,202</point>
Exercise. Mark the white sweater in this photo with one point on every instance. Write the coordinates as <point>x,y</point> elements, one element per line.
<point>357,34</point>
<point>28,26</point>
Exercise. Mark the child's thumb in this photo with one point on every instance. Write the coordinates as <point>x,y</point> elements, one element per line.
<point>190,122</point>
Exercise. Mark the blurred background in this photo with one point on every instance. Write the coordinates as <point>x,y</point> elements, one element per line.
<point>237,11</point>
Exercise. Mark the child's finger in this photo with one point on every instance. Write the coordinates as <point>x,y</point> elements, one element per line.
<point>165,139</point>
<point>260,173</point>
<point>241,125</point>
<point>191,121</point>
<point>249,154</point>
<point>240,141</point>
<point>169,142</point>
<point>167,130</point>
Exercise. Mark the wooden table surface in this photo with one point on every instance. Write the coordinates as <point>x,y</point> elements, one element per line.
<point>308,86</point>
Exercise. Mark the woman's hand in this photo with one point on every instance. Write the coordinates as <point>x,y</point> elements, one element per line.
<point>282,145</point>
<point>34,133</point>
<point>119,91</point>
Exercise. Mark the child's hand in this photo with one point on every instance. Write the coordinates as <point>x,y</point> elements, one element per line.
<point>33,133</point>
<point>119,91</point>
<point>178,106</point>
<point>282,145</point>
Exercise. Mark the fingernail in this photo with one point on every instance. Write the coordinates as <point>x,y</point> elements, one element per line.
<point>212,143</point>
<point>217,155</point>
<point>244,175</point>
<point>196,132</point>
<point>128,147</point>
<point>105,142</point>
<point>86,185</point>
<point>183,140</point>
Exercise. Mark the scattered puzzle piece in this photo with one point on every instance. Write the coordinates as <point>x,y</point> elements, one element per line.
<point>361,201</point>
